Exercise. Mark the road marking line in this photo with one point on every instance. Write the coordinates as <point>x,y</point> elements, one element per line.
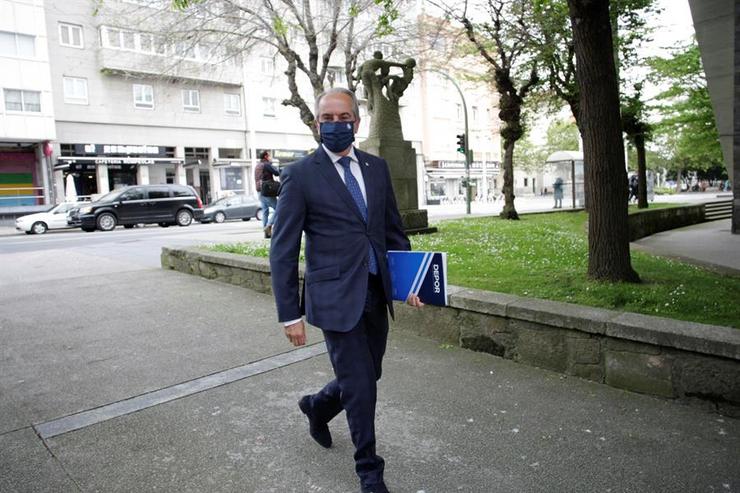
<point>90,417</point>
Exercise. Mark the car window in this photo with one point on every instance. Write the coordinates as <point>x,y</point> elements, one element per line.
<point>159,193</point>
<point>133,194</point>
<point>182,192</point>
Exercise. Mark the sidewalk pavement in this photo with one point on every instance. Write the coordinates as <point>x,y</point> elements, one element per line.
<point>710,245</point>
<point>449,420</point>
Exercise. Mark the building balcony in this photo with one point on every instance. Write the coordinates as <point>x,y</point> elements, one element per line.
<point>131,63</point>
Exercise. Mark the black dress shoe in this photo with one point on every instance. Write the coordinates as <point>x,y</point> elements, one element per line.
<point>375,488</point>
<point>319,431</point>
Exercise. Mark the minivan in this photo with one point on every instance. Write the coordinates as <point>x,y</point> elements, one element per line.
<point>139,204</point>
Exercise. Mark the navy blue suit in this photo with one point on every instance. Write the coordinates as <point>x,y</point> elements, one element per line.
<point>340,296</point>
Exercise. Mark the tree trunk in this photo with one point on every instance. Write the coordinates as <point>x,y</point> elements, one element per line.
<point>678,180</point>
<point>509,212</point>
<point>608,230</point>
<point>642,199</point>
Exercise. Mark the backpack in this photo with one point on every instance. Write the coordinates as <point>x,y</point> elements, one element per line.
<point>268,186</point>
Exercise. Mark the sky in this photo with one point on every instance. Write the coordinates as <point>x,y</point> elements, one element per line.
<point>673,27</point>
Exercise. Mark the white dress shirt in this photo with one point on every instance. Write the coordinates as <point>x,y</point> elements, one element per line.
<point>354,168</point>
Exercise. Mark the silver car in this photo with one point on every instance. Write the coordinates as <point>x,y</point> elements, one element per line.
<point>244,207</point>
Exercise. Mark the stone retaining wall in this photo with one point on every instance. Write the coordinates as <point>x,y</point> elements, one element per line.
<point>652,355</point>
<point>646,222</point>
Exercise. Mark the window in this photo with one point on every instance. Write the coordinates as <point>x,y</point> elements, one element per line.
<point>226,153</point>
<point>146,44</point>
<point>231,178</point>
<point>232,104</point>
<point>268,105</point>
<point>191,100</point>
<point>336,75</point>
<point>143,96</point>
<point>70,35</point>
<point>75,90</point>
<point>133,194</point>
<point>159,193</point>
<point>459,111</point>
<point>128,40</point>
<point>112,38</point>
<point>17,45</point>
<point>526,181</point>
<point>181,192</point>
<point>26,101</point>
<point>475,113</point>
<point>268,65</point>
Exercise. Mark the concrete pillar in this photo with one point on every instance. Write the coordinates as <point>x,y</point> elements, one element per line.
<point>734,168</point>
<point>215,176</point>
<point>101,173</point>
<point>181,177</point>
<point>43,171</point>
<point>247,181</point>
<point>196,177</point>
<point>142,174</point>
<point>58,184</point>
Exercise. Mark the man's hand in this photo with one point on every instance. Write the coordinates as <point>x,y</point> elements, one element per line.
<point>296,333</point>
<point>414,300</point>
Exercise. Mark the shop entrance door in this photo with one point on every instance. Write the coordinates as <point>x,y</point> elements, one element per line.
<point>205,187</point>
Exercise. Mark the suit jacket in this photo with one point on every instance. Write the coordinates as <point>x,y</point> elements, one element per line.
<point>315,200</point>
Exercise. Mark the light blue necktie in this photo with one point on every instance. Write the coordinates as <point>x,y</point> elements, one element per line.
<point>356,193</point>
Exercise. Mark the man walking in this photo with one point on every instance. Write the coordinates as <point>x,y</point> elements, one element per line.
<point>264,171</point>
<point>342,198</point>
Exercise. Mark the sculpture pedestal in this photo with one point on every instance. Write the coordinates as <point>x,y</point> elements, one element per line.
<point>401,159</point>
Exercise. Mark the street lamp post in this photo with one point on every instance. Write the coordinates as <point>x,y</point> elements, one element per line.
<point>468,152</point>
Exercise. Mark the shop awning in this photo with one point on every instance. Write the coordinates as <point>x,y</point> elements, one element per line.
<point>79,163</point>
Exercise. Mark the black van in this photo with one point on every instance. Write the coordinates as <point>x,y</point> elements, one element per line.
<point>148,204</point>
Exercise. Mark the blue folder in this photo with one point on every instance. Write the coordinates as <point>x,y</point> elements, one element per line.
<point>420,273</point>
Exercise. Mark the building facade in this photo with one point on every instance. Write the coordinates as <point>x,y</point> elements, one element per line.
<point>27,111</point>
<point>106,99</point>
<point>133,109</point>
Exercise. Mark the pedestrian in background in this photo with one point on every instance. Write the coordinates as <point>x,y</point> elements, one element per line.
<point>633,189</point>
<point>557,189</point>
<point>267,190</point>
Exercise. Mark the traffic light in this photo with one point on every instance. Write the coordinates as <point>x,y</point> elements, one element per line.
<point>461,143</point>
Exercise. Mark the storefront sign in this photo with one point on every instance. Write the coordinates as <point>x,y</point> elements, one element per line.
<point>492,165</point>
<point>118,150</point>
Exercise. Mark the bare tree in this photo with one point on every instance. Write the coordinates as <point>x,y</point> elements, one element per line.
<point>313,38</point>
<point>503,43</point>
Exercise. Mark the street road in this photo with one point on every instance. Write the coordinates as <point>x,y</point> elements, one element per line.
<point>66,254</point>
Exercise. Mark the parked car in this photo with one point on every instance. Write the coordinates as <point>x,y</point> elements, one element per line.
<point>41,222</point>
<point>139,204</point>
<point>244,207</point>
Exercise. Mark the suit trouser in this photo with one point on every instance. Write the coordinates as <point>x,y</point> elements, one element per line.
<point>356,357</point>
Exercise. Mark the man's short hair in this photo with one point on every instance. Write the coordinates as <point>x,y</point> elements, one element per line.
<point>338,90</point>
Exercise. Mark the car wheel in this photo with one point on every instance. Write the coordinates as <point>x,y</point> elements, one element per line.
<point>184,217</point>
<point>219,217</point>
<point>129,226</point>
<point>39,228</point>
<point>88,230</point>
<point>106,222</point>
<point>29,232</point>
<point>258,215</point>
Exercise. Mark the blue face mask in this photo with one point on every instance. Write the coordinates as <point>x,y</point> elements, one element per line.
<point>337,136</point>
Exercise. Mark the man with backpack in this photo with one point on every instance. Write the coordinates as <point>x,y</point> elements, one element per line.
<point>267,188</point>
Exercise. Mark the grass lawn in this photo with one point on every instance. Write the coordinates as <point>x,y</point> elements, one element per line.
<point>545,256</point>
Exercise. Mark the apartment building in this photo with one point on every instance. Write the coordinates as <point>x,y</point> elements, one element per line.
<point>107,99</point>
<point>27,111</point>
<point>133,108</point>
